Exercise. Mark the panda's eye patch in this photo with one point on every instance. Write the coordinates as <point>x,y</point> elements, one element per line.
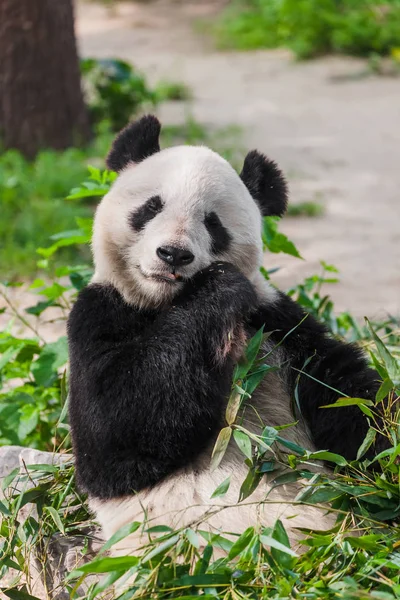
<point>220,236</point>
<point>145,213</point>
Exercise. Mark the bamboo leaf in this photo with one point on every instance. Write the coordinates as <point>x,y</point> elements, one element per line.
<point>233,407</point>
<point>120,534</point>
<point>243,442</point>
<point>367,443</point>
<point>222,488</point>
<point>56,518</point>
<point>220,447</point>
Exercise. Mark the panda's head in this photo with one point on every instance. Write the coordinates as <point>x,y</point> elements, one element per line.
<point>172,212</point>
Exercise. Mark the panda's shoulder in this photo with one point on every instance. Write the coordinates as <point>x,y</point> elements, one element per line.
<point>98,295</point>
<point>96,303</point>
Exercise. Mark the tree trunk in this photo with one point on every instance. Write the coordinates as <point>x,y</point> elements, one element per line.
<point>41,101</point>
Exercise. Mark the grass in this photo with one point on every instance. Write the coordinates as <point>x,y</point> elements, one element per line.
<point>312,27</point>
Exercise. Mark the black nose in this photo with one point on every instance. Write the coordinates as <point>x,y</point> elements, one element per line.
<point>175,256</point>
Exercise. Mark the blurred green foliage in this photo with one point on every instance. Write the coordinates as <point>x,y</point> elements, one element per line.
<point>114,91</point>
<point>312,27</point>
<point>33,205</point>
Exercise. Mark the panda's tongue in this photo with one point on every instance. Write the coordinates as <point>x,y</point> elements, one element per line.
<point>173,276</point>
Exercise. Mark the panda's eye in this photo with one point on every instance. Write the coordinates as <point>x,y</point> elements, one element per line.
<point>212,220</point>
<point>145,213</point>
<point>154,204</point>
<point>220,236</point>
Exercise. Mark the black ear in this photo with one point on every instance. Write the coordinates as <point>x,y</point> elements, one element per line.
<point>134,143</point>
<point>266,183</point>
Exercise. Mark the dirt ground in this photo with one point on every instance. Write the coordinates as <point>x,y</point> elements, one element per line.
<point>335,134</point>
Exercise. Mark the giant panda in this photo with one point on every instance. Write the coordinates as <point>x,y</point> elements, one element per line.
<point>154,338</point>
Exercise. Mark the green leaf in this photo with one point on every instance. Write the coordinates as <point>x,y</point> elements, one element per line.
<point>322,495</point>
<point>29,418</point>
<point>267,466</point>
<point>8,479</point>
<point>43,468</point>
<point>392,367</point>
<point>53,356</point>
<point>243,442</point>
<point>222,488</point>
<point>159,529</point>
<point>384,389</point>
<point>192,536</point>
<point>269,435</point>
<point>202,564</point>
<point>328,456</point>
<point>18,595</point>
<point>254,345</point>
<point>88,190</point>
<point>8,356</point>
<point>291,445</point>
<point>220,447</point>
<point>280,550</point>
<point>251,482</point>
<point>38,308</point>
<point>349,402</point>
<point>254,380</point>
<point>241,543</point>
<point>120,534</point>
<point>4,510</point>
<point>365,542</point>
<point>105,565</point>
<point>379,367</point>
<point>250,355</point>
<point>285,478</point>
<point>367,443</point>
<point>72,241</point>
<point>203,580</point>
<point>160,548</point>
<point>56,518</point>
<point>233,406</point>
<point>276,241</point>
<point>64,397</point>
<point>268,540</point>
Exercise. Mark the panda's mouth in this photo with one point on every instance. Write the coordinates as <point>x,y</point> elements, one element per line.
<point>171,278</point>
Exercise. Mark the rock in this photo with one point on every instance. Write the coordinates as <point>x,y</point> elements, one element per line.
<point>9,460</point>
<point>60,555</point>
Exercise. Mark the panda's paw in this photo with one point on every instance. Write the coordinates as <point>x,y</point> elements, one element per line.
<point>224,281</point>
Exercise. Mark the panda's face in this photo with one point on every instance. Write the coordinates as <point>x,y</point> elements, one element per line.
<point>170,216</point>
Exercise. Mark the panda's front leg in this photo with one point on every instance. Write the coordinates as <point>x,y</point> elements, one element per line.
<point>218,300</point>
<point>146,404</point>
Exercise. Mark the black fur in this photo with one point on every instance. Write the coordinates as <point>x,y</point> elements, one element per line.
<point>145,213</point>
<point>146,393</point>
<point>220,236</point>
<point>341,366</point>
<point>134,143</point>
<point>266,183</point>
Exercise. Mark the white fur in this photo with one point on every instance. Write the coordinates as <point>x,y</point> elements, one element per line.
<point>191,182</point>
